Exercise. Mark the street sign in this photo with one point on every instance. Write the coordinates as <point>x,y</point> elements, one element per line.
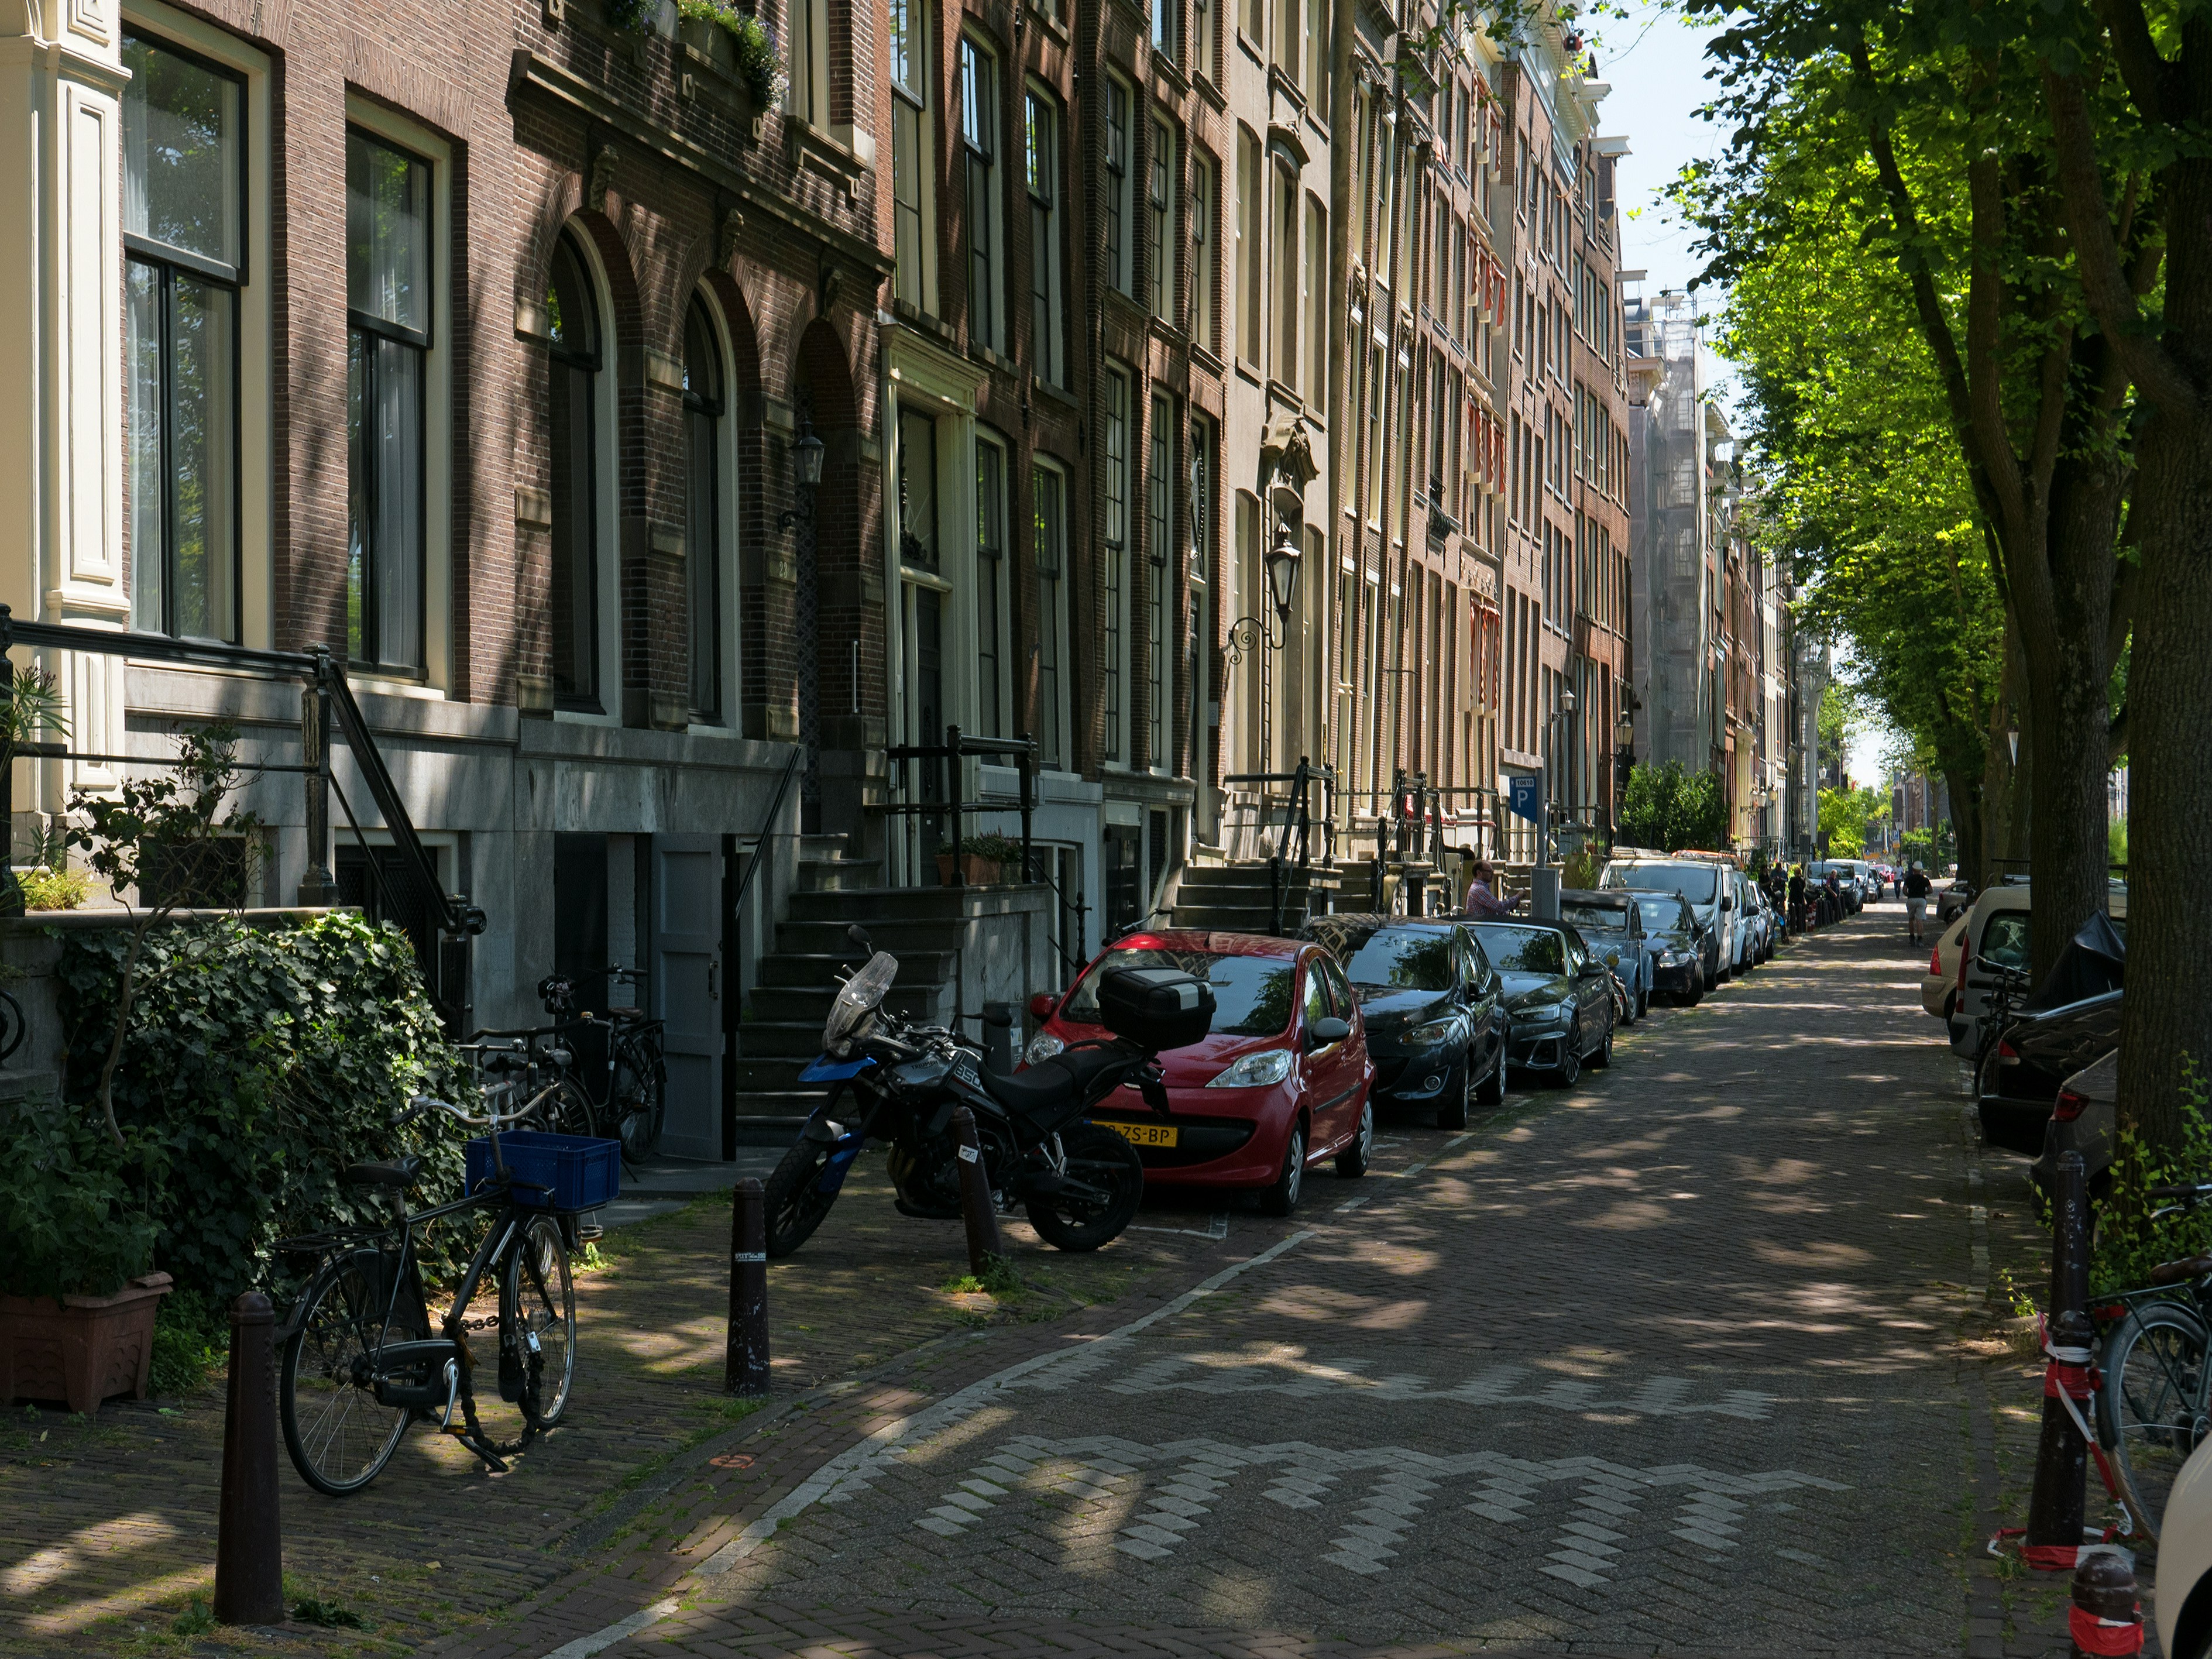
<point>1523,801</point>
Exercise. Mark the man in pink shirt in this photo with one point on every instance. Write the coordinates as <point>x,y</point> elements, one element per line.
<point>1483,904</point>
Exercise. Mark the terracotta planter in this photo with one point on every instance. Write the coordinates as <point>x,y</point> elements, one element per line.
<point>83,1349</point>
<point>975,871</point>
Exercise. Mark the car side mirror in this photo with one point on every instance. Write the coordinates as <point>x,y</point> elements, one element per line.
<point>1326,1030</point>
<point>1042,1005</point>
<point>1728,902</point>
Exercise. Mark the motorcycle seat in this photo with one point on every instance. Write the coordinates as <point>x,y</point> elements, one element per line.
<point>1062,1083</point>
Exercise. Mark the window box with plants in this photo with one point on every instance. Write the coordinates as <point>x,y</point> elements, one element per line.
<point>735,43</point>
<point>985,860</point>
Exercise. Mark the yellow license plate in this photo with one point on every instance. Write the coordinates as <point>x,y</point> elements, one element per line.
<point>1143,1134</point>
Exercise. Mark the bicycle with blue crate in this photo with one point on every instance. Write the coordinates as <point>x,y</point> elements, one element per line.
<point>360,1360</point>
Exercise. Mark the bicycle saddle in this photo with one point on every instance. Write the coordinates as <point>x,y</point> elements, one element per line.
<point>2175,1273</point>
<point>399,1172</point>
<point>1059,1082</point>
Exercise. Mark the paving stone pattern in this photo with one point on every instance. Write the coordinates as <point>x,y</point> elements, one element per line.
<point>1674,1362</point>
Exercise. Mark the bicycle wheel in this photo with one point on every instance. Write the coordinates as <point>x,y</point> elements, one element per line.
<point>565,1109</point>
<point>538,1317</point>
<point>340,1436</point>
<point>640,1098</point>
<point>2151,1411</point>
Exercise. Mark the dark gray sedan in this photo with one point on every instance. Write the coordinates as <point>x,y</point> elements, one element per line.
<point>1432,1004</point>
<point>1560,995</point>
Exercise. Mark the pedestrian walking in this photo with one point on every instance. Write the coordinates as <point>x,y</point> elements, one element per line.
<point>1483,903</point>
<point>1915,888</point>
<point>1798,898</point>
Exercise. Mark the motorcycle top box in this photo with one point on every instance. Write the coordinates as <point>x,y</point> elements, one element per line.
<point>1155,1008</point>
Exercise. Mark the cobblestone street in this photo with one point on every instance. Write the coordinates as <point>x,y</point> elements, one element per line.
<point>1674,1362</point>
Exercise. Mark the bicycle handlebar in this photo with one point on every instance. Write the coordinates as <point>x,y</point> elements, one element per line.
<point>2187,1190</point>
<point>421,1105</point>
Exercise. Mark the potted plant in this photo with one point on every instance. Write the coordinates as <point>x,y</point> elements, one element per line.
<point>984,860</point>
<point>76,1304</point>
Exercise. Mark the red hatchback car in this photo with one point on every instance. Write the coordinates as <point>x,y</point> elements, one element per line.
<point>1281,1082</point>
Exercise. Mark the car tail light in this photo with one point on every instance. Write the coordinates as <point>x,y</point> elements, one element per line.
<point>2007,1054</point>
<point>2067,1107</point>
<point>1936,963</point>
<point>1965,956</point>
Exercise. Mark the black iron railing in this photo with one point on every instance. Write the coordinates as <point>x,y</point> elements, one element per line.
<point>327,695</point>
<point>950,802</point>
<point>1298,820</point>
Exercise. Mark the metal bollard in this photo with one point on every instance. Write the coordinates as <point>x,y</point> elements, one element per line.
<point>2105,1620</point>
<point>744,1362</point>
<point>249,1541</point>
<point>976,1208</point>
<point>2055,1505</point>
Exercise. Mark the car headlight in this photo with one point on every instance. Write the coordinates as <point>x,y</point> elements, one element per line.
<point>1437,1031</point>
<point>1667,958</point>
<point>1042,1047</point>
<point>1255,1071</point>
<point>1613,958</point>
<point>1546,1013</point>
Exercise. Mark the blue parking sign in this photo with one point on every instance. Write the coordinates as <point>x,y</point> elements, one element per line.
<point>1524,798</point>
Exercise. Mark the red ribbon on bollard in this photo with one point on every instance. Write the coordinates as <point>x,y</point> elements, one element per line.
<point>2107,1639</point>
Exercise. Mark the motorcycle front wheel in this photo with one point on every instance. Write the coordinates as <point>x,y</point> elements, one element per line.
<point>796,1203</point>
<point>1098,1159</point>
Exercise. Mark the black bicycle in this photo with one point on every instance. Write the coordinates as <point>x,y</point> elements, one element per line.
<point>630,1091</point>
<point>361,1362</point>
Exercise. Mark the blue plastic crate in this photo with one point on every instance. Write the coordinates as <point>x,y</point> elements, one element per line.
<point>583,1172</point>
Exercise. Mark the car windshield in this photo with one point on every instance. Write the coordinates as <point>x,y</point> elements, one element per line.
<point>1524,950</point>
<point>1251,995</point>
<point>1400,959</point>
<point>1596,918</point>
<point>1694,882</point>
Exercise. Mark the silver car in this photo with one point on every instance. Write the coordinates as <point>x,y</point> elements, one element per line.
<point>2081,1122</point>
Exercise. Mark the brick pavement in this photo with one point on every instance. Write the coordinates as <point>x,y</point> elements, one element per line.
<point>1681,1362</point>
<point>106,1528</point>
<point>1685,1361</point>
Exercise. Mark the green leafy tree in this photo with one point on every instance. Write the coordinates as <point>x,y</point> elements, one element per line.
<point>1913,137</point>
<point>1670,808</point>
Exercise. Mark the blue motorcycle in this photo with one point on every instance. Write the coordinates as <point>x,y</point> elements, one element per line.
<point>898,1083</point>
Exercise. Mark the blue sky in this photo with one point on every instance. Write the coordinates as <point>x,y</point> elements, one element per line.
<point>1655,64</point>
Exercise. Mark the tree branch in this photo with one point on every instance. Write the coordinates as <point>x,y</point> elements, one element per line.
<point>1927,306</point>
<point>1985,297</point>
<point>2151,81</point>
<point>2104,281</point>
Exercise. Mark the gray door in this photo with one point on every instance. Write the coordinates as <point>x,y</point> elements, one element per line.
<point>687,989</point>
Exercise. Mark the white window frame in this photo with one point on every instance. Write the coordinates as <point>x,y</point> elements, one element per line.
<point>606,433</point>
<point>983,87</point>
<point>257,539</point>
<point>1160,175</point>
<point>438,403</point>
<point>1119,160</point>
<point>1057,624</point>
<point>1115,562</point>
<point>728,489</point>
<point>1048,285</point>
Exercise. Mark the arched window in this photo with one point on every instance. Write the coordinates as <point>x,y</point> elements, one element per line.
<point>573,337</point>
<point>704,405</point>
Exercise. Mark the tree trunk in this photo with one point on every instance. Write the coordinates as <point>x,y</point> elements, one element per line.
<point>2066,731</point>
<point>2165,1021</point>
<point>1969,813</point>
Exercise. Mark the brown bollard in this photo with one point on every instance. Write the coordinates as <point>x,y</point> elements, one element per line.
<point>745,1367</point>
<point>2055,1505</point>
<point>976,1208</point>
<point>2105,1620</point>
<point>249,1543</point>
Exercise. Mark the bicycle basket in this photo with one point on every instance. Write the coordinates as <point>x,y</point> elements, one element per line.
<point>581,1172</point>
